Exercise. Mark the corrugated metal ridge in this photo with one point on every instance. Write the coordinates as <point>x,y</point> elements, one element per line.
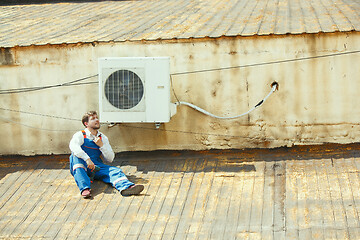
<point>171,19</point>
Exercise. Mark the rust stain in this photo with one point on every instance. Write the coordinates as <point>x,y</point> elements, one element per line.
<point>6,56</point>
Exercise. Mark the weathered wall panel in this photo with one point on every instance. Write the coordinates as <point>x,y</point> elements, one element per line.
<point>317,99</point>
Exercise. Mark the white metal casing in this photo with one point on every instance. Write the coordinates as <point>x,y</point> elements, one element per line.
<point>154,73</point>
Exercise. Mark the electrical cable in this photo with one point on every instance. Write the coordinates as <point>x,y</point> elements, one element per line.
<point>38,114</point>
<point>172,87</point>
<point>37,128</point>
<point>267,63</point>
<point>273,89</point>
<point>30,89</point>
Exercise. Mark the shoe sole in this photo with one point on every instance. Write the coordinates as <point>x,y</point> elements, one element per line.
<point>136,190</point>
<point>87,195</point>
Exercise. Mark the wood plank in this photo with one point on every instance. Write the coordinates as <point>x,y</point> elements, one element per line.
<point>212,200</point>
<point>330,233</point>
<point>74,207</point>
<point>94,219</point>
<point>123,232</point>
<point>11,192</point>
<point>305,233</point>
<point>50,186</point>
<point>178,206</point>
<point>110,199</point>
<point>129,217</point>
<point>186,218</point>
<point>303,205</point>
<point>105,216</point>
<point>354,233</point>
<point>342,168</point>
<point>49,227</point>
<point>202,199</point>
<point>121,209</point>
<point>98,216</point>
<point>256,214</point>
<point>354,182</point>
<point>222,209</point>
<point>315,211</point>
<point>31,205</point>
<point>12,182</point>
<point>279,199</point>
<point>161,204</point>
<point>243,225</point>
<point>142,178</point>
<point>267,222</point>
<point>57,217</point>
<point>291,200</point>
<point>84,217</point>
<point>336,198</point>
<point>234,205</point>
<point>81,210</point>
<point>325,196</point>
<point>342,233</point>
<point>18,207</point>
<point>160,211</point>
<point>317,232</point>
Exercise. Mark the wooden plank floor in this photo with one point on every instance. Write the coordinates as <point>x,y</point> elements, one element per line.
<point>308,192</point>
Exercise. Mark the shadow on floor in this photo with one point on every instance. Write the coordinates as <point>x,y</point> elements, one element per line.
<point>234,160</point>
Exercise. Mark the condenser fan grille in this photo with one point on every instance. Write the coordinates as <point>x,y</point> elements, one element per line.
<point>124,89</point>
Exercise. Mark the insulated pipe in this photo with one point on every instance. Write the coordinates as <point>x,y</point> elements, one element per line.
<point>274,87</point>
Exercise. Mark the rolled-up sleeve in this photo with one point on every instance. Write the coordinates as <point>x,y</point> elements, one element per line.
<point>106,150</point>
<point>75,146</point>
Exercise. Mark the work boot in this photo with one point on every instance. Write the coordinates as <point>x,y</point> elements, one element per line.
<point>86,193</point>
<point>132,190</point>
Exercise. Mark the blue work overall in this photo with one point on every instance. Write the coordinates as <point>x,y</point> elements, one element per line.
<point>107,174</point>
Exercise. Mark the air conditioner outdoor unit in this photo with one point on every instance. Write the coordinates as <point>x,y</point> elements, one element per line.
<point>135,89</point>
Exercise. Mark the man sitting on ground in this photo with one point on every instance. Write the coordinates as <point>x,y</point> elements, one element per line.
<point>88,150</point>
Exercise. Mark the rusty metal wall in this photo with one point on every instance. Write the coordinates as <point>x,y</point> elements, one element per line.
<point>317,100</point>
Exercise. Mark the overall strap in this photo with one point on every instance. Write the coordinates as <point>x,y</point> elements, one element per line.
<point>84,134</point>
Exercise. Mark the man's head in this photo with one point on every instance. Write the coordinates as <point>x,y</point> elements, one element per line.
<point>90,119</point>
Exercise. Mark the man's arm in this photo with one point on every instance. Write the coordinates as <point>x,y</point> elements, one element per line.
<point>75,146</point>
<point>106,149</point>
